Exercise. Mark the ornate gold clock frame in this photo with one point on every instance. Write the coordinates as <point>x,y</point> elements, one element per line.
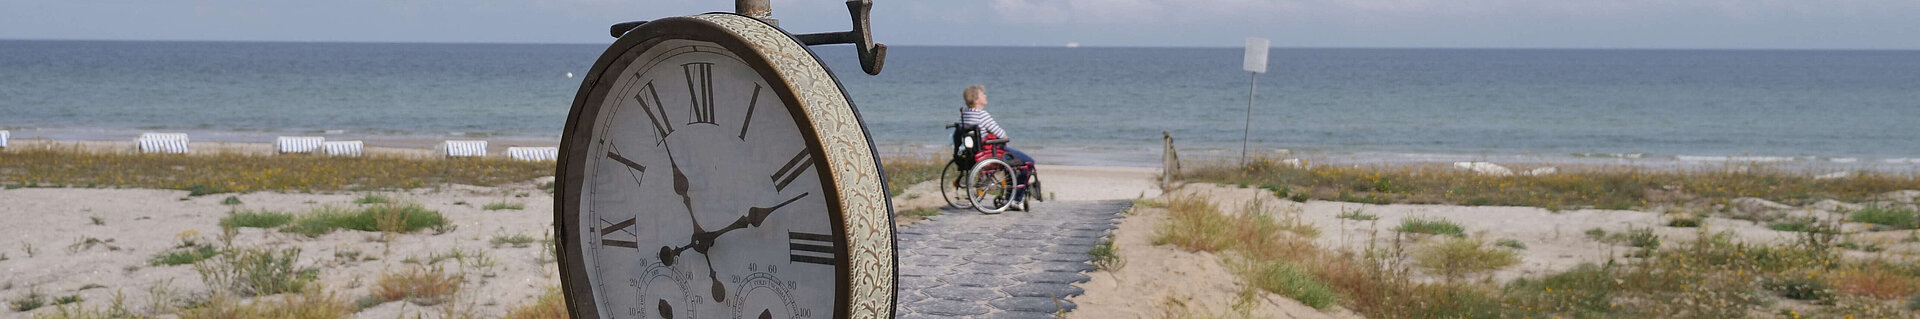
<point>607,225</point>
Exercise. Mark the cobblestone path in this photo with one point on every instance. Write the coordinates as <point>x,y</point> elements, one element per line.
<point>1012,265</point>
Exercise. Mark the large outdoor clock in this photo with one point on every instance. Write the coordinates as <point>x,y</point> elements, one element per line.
<point>713,167</point>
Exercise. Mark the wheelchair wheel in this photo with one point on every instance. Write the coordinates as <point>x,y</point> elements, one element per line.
<point>953,185</point>
<point>990,186</point>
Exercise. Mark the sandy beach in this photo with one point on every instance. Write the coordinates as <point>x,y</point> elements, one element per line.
<point>96,244</point>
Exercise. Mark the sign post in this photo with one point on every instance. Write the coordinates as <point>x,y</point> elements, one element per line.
<point>1255,64</point>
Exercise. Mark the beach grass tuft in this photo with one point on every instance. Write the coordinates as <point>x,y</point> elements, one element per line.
<point>1430,226</point>
<point>1896,218</point>
<point>255,219</point>
<point>28,302</point>
<point>905,171</point>
<point>551,305</point>
<point>308,304</point>
<point>372,199</point>
<point>1457,257</point>
<point>515,240</point>
<point>256,271</point>
<point>396,217</point>
<point>183,255</point>
<point>504,206</point>
<point>424,286</point>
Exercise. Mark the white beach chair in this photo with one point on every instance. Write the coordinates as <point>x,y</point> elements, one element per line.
<point>534,154</point>
<point>3,139</point>
<point>163,143</point>
<point>466,148</point>
<point>298,144</point>
<point>341,148</point>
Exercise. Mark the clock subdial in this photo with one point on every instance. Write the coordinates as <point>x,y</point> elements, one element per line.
<point>665,291</point>
<point>762,294</point>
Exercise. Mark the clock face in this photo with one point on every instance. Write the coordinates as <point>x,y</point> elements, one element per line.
<point>702,199</point>
<point>713,168</point>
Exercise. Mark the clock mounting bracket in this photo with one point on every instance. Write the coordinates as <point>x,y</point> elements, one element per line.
<point>872,55</point>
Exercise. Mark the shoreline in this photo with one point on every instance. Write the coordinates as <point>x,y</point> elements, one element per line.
<point>1073,155</point>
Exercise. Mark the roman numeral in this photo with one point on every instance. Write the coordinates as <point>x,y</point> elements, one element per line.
<point>751,103</point>
<point>700,87</point>
<point>637,169</point>
<point>617,227</point>
<point>799,164</point>
<point>810,248</point>
<point>650,102</point>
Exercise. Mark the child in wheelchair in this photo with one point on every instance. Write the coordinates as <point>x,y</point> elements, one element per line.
<point>975,116</point>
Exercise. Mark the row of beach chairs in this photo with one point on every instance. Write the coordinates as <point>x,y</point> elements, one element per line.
<point>177,143</point>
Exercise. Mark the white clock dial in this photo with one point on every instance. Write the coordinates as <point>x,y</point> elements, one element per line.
<point>699,179</point>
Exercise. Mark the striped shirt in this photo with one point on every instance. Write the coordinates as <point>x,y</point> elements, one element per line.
<point>969,116</point>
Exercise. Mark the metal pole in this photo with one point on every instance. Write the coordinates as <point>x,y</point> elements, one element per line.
<point>1253,78</point>
<point>758,9</point>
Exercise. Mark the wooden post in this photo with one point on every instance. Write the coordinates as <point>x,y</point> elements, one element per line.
<point>1169,162</point>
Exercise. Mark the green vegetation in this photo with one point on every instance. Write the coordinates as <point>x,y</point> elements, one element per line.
<point>551,305</point>
<point>372,199</point>
<point>66,299</point>
<point>904,171</point>
<point>255,219</point>
<point>504,206</point>
<point>419,285</point>
<point>230,201</point>
<point>1287,279</point>
<point>516,240</point>
<point>1510,243</point>
<point>390,217</point>
<point>1106,256</point>
<point>204,174</point>
<point>1623,187</point>
<point>256,272</point>
<point>1456,257</point>
<point>1421,225</point>
<point>183,255</point>
<point>918,214</point>
<point>1896,218</point>
<point>29,302</point>
<point>1356,215</point>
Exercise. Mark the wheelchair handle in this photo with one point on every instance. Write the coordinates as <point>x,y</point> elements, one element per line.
<point>994,141</point>
<point>953,126</point>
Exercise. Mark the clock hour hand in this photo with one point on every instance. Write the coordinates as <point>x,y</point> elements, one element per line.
<point>703,240</point>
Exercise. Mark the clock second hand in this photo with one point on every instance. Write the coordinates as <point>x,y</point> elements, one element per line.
<point>703,241</point>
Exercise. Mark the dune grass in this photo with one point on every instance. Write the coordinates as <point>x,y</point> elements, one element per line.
<point>391,217</point>
<point>1709,276</point>
<point>504,206</point>
<point>551,305</point>
<point>424,286</point>
<point>904,171</point>
<point>1622,187</point>
<point>1434,226</point>
<point>256,272</point>
<point>1896,218</point>
<point>255,218</point>
<point>215,173</point>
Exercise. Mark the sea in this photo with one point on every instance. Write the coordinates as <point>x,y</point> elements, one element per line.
<point>1085,105</point>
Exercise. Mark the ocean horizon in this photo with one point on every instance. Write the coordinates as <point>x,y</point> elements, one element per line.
<point>1085,105</point>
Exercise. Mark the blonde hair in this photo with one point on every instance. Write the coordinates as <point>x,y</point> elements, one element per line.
<point>972,92</point>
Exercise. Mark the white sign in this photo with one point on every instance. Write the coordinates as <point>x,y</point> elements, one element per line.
<point>1256,61</point>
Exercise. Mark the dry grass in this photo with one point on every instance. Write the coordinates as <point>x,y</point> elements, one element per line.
<point>233,172</point>
<point>313,304</point>
<point>551,305</point>
<point>904,171</point>
<point>420,285</point>
<point>1709,276</point>
<point>256,271</point>
<point>1621,187</point>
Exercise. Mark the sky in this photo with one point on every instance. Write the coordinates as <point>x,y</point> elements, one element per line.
<point>1658,24</point>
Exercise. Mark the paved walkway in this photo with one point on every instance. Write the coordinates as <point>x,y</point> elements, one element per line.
<point>1012,265</point>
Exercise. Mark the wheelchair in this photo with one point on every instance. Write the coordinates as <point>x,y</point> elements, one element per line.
<point>982,174</point>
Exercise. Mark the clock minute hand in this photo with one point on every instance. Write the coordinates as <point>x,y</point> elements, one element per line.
<point>703,240</point>
<point>755,216</point>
